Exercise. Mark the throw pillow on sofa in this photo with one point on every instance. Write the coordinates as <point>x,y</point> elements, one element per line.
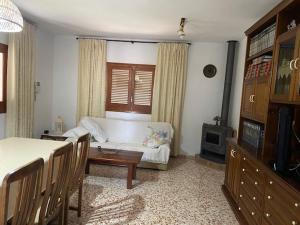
<point>94,128</point>
<point>156,138</point>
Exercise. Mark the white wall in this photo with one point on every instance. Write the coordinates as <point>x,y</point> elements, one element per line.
<point>237,85</point>
<point>3,40</point>
<point>203,98</point>
<point>44,73</point>
<point>65,72</point>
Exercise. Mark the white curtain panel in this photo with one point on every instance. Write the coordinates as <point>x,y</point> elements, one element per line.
<point>91,78</point>
<point>169,87</point>
<point>20,82</point>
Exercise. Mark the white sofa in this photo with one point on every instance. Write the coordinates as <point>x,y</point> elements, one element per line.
<point>130,135</point>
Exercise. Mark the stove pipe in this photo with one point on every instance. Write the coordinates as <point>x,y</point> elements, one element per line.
<point>228,81</point>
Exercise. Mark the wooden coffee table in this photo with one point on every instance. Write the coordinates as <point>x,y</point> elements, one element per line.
<point>115,158</point>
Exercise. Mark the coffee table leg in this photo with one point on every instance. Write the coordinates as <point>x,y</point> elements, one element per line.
<point>129,176</point>
<point>134,172</point>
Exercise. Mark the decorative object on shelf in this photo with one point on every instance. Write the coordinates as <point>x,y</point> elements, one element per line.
<point>180,32</point>
<point>292,25</point>
<point>218,120</point>
<point>209,71</point>
<point>11,19</point>
<point>263,40</point>
<point>59,124</point>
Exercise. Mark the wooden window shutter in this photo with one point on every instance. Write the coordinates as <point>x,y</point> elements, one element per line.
<point>143,87</point>
<point>130,87</point>
<point>118,95</point>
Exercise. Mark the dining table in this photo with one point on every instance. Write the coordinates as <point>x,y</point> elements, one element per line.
<point>16,152</point>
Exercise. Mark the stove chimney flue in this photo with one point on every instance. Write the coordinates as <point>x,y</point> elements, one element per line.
<point>228,82</point>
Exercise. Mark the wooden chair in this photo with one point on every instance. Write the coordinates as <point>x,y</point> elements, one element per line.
<point>57,185</point>
<point>80,154</point>
<point>28,180</point>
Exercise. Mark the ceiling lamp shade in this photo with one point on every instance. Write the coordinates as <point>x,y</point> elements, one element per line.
<point>11,19</point>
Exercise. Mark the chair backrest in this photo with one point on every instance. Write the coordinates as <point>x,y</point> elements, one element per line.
<point>80,155</point>
<point>57,183</point>
<point>28,180</point>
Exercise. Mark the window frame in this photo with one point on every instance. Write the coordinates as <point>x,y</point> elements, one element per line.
<point>4,51</point>
<point>130,107</point>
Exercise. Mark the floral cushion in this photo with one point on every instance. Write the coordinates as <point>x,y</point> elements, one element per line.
<point>156,138</point>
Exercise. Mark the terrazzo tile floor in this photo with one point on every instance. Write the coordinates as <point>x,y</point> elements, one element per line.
<point>188,193</point>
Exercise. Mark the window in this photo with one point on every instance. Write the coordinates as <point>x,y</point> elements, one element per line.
<point>130,87</point>
<point>3,72</point>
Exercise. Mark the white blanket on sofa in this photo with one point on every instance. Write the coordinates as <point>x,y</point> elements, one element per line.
<point>130,135</point>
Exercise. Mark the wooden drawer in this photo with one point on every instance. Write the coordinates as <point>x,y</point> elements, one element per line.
<point>257,184</point>
<point>252,169</point>
<point>255,196</point>
<point>274,214</point>
<point>265,222</point>
<point>282,198</point>
<point>248,209</point>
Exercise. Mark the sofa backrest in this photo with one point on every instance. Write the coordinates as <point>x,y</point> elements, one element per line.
<point>128,131</point>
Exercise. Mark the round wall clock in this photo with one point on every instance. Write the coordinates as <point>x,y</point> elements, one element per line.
<point>209,71</point>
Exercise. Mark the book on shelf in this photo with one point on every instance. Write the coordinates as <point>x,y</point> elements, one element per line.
<point>260,67</point>
<point>263,40</point>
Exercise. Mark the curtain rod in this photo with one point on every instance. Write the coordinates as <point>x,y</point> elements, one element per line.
<point>132,41</point>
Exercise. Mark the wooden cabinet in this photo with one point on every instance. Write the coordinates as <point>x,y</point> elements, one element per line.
<point>247,104</point>
<point>259,194</point>
<point>281,207</point>
<point>256,99</point>
<point>286,68</point>
<point>232,179</point>
<point>261,99</point>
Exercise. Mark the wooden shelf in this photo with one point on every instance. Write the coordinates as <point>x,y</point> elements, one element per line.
<point>252,118</point>
<point>263,52</point>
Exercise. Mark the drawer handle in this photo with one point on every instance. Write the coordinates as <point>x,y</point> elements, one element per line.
<point>241,196</point>
<point>243,170</point>
<point>269,197</point>
<point>294,223</point>
<point>242,182</point>
<point>296,204</point>
<point>239,208</point>
<point>257,170</point>
<point>244,158</point>
<point>252,213</point>
<point>254,198</point>
<point>256,183</point>
<point>268,215</point>
<point>232,153</point>
<point>271,182</point>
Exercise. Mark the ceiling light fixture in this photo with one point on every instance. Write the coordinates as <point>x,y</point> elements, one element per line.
<point>180,32</point>
<point>11,19</point>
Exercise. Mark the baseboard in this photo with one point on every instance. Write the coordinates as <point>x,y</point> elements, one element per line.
<point>210,164</point>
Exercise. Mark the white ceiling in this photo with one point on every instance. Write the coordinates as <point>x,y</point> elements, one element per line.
<point>208,20</point>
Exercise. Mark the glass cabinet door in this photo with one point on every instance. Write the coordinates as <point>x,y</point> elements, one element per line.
<point>284,71</point>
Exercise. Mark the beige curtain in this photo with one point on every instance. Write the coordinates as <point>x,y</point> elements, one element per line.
<point>20,82</point>
<point>169,87</point>
<point>91,78</point>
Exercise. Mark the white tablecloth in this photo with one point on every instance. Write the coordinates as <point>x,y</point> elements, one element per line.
<point>17,152</point>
